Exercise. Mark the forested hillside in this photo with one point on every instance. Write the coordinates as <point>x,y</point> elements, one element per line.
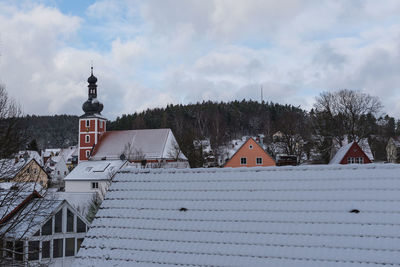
<point>305,134</point>
<point>51,131</point>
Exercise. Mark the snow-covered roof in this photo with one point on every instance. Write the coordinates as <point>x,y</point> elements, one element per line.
<point>48,152</point>
<point>396,141</point>
<point>11,167</point>
<point>81,201</point>
<point>340,154</point>
<point>95,170</point>
<point>320,215</point>
<point>151,143</point>
<point>22,208</point>
<point>68,153</point>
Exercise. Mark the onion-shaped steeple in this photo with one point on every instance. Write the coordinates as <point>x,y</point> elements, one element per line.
<point>92,105</point>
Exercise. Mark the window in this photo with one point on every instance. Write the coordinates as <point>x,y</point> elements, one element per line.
<point>87,138</point>
<point>351,160</point>
<point>360,160</point>
<point>87,123</point>
<point>28,170</point>
<point>80,226</point>
<point>46,229</point>
<point>33,250</point>
<point>95,185</point>
<point>34,171</point>
<point>58,222</point>
<point>37,233</point>
<point>45,249</point>
<point>58,172</point>
<point>258,161</point>
<point>243,161</point>
<point>57,248</point>
<point>87,153</point>
<point>251,146</point>
<point>65,172</point>
<point>69,247</point>
<point>19,251</point>
<point>78,244</point>
<point>70,221</point>
<point>10,248</point>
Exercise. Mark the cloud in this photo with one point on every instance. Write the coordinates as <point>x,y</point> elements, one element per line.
<point>151,53</point>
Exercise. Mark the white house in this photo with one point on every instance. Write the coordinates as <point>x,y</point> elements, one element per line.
<point>92,176</point>
<point>319,215</point>
<point>39,230</point>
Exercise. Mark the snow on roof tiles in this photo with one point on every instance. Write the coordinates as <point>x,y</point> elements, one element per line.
<point>330,215</point>
<point>151,142</point>
<point>95,170</point>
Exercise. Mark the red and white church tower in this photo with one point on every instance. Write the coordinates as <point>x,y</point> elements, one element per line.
<point>91,124</point>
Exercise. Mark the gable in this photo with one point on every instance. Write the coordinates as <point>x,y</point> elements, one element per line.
<point>250,150</point>
<point>355,151</point>
<point>45,209</point>
<point>32,172</point>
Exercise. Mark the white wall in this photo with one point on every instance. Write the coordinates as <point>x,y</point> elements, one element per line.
<point>85,186</point>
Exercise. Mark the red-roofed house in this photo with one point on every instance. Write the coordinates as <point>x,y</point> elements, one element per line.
<point>350,154</point>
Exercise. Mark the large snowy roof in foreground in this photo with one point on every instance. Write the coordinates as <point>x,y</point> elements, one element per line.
<point>326,215</point>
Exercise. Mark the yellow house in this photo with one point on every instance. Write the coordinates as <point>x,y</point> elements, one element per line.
<point>30,171</point>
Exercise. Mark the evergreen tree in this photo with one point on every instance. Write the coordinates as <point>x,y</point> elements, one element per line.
<point>33,146</point>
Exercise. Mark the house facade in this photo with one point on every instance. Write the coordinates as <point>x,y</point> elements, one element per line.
<point>250,154</point>
<point>351,153</point>
<point>93,176</point>
<point>393,150</point>
<point>41,231</point>
<point>25,167</point>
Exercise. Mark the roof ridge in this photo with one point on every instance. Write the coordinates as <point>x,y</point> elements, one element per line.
<point>322,167</point>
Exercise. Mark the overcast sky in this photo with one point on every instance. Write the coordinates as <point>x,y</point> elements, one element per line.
<point>150,53</point>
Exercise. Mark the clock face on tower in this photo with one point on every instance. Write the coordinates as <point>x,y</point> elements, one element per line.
<point>87,129</point>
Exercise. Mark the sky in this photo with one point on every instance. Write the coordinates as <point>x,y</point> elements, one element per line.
<point>156,52</point>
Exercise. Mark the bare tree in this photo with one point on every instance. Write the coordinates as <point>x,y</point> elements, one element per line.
<point>295,133</point>
<point>23,205</point>
<point>349,109</point>
<point>175,151</point>
<point>11,137</point>
<point>133,154</point>
<point>23,201</point>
